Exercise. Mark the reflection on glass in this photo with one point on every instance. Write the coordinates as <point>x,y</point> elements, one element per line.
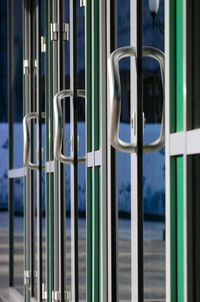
<point>153,185</point>
<point>193,198</point>
<point>18,84</point>
<point>193,61</point>
<point>18,235</point>
<point>68,228</point>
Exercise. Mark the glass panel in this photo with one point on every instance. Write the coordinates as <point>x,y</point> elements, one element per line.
<point>193,198</point>
<point>68,227</point>
<point>153,185</point>
<point>18,84</point>
<point>193,63</point>
<point>124,163</point>
<point>81,153</point>
<point>19,234</point>
<point>4,237</point>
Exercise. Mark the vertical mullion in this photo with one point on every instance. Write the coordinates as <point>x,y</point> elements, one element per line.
<point>103,280</point>
<point>89,192</point>
<point>112,172</point>
<point>56,200</point>
<point>113,163</point>
<point>32,108</point>
<point>10,18</point>
<point>179,65</point>
<point>140,151</point>
<point>50,83</point>
<point>74,166</point>
<point>39,145</point>
<point>61,187</point>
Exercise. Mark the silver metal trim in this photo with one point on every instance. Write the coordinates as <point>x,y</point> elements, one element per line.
<point>43,44</point>
<point>66,31</point>
<point>26,67</point>
<point>82,3</point>
<point>54,31</point>
<point>26,131</point>
<point>115,99</point>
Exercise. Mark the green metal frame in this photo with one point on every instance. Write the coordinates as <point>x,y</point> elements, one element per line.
<point>176,163</point>
<point>93,144</point>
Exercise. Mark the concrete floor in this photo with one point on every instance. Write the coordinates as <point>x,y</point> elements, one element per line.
<point>154,266</point>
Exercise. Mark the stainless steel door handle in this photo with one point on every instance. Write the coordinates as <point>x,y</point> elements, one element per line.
<point>115,99</point>
<point>59,131</point>
<point>27,139</point>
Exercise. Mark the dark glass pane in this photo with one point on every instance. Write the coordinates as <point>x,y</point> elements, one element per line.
<point>193,203</point>
<point>193,65</point>
<point>19,235</point>
<point>18,84</point>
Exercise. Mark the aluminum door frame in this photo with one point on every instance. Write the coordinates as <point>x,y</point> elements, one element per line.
<point>136,166</point>
<point>96,138</point>
<point>177,146</point>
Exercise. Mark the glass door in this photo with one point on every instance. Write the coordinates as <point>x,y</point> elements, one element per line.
<point>182,151</point>
<point>26,111</point>
<point>136,130</point>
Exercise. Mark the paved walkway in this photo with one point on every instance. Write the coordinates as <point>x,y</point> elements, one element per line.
<point>154,266</point>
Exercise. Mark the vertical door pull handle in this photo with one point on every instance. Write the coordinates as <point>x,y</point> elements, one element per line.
<point>115,99</point>
<point>27,139</point>
<point>59,126</point>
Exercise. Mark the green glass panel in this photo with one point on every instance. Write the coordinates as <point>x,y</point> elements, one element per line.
<point>179,65</point>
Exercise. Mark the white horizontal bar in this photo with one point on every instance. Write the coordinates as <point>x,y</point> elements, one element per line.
<point>17,173</point>
<point>50,166</point>
<point>98,158</point>
<point>193,141</point>
<point>177,143</point>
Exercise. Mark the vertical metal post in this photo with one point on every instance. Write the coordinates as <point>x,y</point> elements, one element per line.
<point>39,150</point>
<point>28,104</point>
<point>32,102</point>
<point>62,208</point>
<point>112,173</point>
<point>140,151</point>
<point>74,167</point>
<point>103,180</point>
<point>54,5</point>
<point>10,18</point>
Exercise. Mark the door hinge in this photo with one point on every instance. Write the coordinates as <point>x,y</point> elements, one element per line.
<point>27,278</point>
<point>56,296</point>
<point>26,67</point>
<point>82,3</point>
<point>44,292</point>
<point>55,31</point>
<point>66,31</point>
<point>43,44</point>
